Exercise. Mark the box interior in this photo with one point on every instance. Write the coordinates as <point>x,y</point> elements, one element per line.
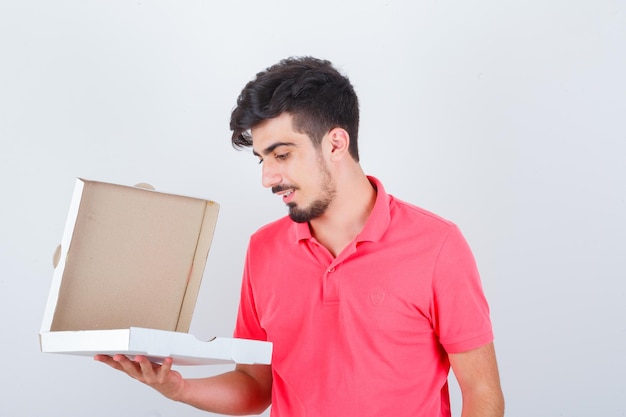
<point>136,259</point>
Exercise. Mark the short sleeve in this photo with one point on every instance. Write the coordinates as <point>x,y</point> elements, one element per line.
<point>461,312</point>
<point>248,325</point>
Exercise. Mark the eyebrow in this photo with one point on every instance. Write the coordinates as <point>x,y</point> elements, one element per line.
<point>271,148</point>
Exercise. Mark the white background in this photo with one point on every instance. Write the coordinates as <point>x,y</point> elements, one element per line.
<point>506,117</point>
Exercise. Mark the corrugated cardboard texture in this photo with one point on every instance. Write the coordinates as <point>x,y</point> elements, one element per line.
<point>134,260</point>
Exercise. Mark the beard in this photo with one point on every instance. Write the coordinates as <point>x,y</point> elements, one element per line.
<point>306,214</point>
<point>320,204</point>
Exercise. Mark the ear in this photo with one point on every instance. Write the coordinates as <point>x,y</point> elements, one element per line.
<point>338,141</point>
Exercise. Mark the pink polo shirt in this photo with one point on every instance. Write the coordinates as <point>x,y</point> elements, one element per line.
<point>365,333</point>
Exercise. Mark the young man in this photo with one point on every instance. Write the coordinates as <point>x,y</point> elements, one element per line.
<point>368,300</point>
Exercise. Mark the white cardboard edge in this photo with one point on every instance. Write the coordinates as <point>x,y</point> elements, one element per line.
<point>184,348</point>
<point>66,241</point>
<point>157,345</point>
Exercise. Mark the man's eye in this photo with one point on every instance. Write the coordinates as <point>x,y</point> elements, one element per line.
<point>281,156</point>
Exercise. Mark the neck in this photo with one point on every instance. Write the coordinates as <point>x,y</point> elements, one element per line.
<point>346,216</point>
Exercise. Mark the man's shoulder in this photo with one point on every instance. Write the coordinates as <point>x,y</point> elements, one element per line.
<point>404,210</point>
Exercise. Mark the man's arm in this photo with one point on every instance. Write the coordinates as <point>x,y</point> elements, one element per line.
<point>246,390</point>
<point>477,373</point>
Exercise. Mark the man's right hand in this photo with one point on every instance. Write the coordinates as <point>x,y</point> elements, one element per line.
<point>160,377</point>
<point>243,391</point>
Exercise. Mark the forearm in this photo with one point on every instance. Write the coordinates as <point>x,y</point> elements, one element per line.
<point>477,373</point>
<point>232,393</point>
<point>483,404</point>
<point>246,390</point>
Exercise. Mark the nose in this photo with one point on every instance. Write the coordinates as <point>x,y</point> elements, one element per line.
<point>269,175</point>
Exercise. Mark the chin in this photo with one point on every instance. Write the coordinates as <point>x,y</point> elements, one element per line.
<point>305,215</point>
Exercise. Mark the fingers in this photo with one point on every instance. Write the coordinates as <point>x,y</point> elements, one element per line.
<point>108,360</point>
<point>148,371</point>
<point>131,367</point>
<point>154,373</point>
<point>160,377</point>
<point>119,362</point>
<point>139,368</point>
<point>165,368</point>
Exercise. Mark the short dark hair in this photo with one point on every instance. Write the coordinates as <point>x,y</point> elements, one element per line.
<point>317,96</point>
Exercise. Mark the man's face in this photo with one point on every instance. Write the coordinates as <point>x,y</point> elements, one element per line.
<point>293,168</point>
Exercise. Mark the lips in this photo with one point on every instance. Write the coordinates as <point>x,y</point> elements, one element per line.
<point>286,192</point>
<point>288,195</point>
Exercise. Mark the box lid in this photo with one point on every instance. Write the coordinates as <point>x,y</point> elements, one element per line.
<point>130,257</point>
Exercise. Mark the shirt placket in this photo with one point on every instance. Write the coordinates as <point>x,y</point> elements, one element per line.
<point>333,275</point>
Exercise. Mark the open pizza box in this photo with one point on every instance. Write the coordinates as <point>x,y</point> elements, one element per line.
<point>127,275</point>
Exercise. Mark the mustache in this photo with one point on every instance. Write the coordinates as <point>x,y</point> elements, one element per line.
<point>283,187</point>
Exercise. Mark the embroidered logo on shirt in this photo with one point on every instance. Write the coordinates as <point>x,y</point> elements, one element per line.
<point>377,297</point>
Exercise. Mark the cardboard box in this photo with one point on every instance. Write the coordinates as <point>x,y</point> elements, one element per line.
<point>127,277</point>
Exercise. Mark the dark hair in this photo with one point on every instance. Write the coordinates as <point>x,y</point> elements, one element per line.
<point>317,96</point>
